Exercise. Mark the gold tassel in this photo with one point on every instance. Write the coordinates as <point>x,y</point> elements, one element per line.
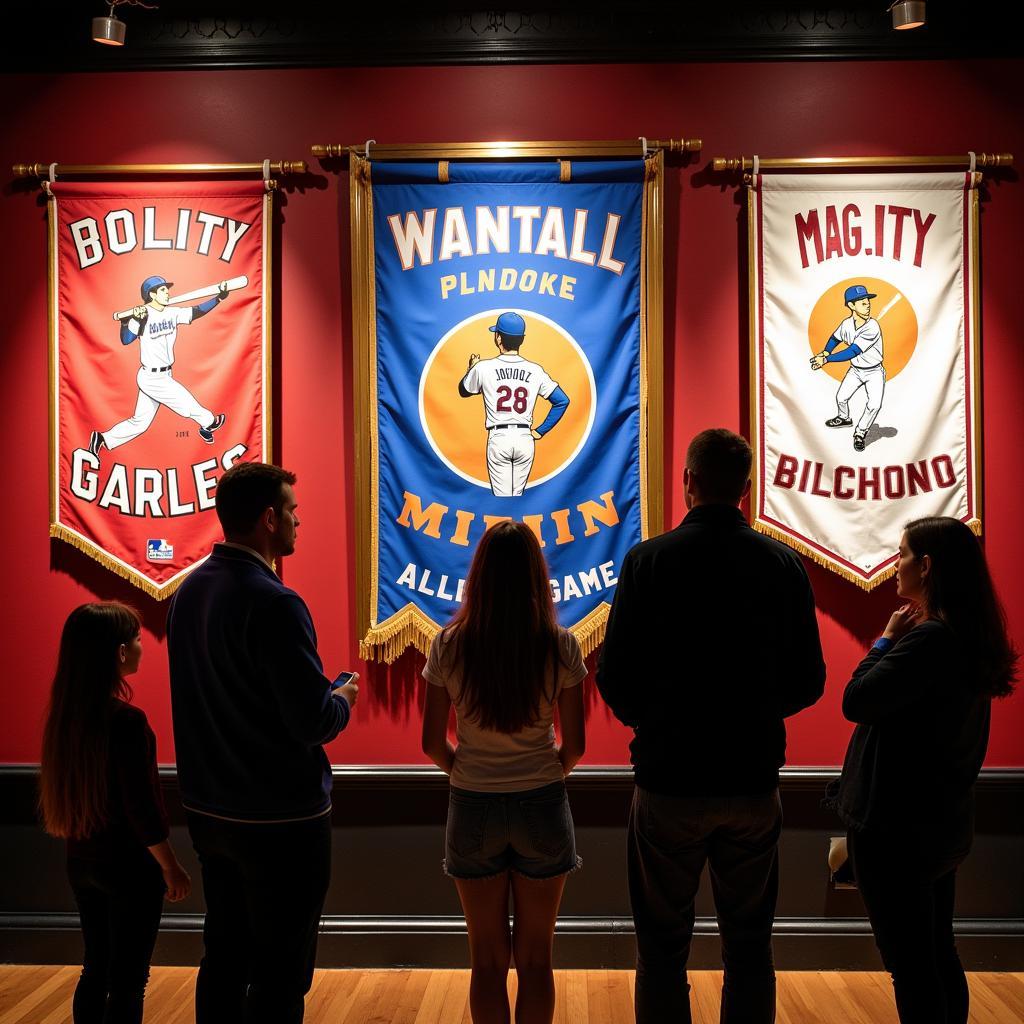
<point>407,627</point>
<point>974,525</point>
<point>160,593</point>
<point>589,632</point>
<point>817,556</point>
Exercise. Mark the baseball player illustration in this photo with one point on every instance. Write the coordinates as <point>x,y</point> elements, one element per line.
<point>155,326</point>
<point>510,386</point>
<point>861,337</point>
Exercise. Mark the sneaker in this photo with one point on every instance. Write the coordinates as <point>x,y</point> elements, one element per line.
<point>206,433</point>
<point>858,442</point>
<point>838,421</point>
<point>95,443</point>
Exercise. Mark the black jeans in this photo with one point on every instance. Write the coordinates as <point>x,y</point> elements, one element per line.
<point>119,906</point>
<point>670,840</point>
<point>909,898</point>
<point>264,886</point>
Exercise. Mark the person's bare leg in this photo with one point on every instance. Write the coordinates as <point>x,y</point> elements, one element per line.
<point>485,904</point>
<point>535,909</point>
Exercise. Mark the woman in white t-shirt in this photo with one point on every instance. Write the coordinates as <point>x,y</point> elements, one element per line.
<point>505,663</point>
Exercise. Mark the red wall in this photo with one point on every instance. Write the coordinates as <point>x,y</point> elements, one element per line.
<point>773,109</point>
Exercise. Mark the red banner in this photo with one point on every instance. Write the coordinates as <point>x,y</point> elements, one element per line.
<point>159,366</point>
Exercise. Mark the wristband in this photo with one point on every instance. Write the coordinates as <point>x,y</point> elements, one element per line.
<point>883,643</point>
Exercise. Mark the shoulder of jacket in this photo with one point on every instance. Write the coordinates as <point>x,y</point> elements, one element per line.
<point>128,718</point>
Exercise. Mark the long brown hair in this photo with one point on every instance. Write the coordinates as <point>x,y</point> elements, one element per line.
<point>73,773</point>
<point>958,589</point>
<point>506,633</point>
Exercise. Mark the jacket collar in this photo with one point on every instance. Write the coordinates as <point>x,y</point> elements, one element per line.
<point>722,515</point>
<point>239,552</point>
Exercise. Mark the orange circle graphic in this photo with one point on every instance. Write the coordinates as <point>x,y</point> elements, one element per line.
<point>897,320</point>
<point>455,425</point>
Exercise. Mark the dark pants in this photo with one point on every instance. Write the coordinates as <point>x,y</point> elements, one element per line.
<point>670,840</point>
<point>119,907</point>
<point>264,887</point>
<point>909,899</point>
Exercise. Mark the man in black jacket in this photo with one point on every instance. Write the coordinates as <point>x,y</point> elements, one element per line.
<point>252,710</point>
<point>711,643</point>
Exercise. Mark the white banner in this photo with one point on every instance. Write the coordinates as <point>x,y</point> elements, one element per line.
<point>864,361</point>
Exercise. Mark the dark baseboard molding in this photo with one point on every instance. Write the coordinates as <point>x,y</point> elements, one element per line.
<point>581,942</point>
<point>339,924</point>
<point>389,821</point>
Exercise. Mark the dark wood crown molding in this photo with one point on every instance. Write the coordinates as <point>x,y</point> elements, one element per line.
<point>226,35</point>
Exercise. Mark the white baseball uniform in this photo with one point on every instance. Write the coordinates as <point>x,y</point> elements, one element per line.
<point>510,386</point>
<point>866,371</point>
<point>157,385</point>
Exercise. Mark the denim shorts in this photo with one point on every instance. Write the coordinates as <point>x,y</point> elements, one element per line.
<point>529,832</point>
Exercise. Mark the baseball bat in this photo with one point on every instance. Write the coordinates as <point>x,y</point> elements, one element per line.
<point>892,302</point>
<point>200,293</point>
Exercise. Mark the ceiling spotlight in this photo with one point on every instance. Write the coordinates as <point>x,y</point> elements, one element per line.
<point>110,30</point>
<point>907,13</point>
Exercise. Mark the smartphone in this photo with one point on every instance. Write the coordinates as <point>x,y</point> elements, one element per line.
<point>344,678</point>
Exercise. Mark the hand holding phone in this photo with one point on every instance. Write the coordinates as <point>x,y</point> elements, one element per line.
<point>345,686</point>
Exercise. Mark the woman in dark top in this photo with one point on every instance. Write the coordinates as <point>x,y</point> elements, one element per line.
<point>921,700</point>
<point>99,790</point>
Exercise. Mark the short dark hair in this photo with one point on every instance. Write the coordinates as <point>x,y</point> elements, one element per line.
<point>720,460</point>
<point>245,491</point>
<point>512,341</point>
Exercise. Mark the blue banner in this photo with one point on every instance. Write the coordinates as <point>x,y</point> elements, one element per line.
<point>508,329</point>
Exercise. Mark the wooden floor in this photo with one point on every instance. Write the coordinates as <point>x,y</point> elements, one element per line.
<point>42,995</point>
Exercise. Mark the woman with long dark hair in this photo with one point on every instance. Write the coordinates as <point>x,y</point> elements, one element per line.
<point>100,791</point>
<point>921,700</point>
<point>505,664</point>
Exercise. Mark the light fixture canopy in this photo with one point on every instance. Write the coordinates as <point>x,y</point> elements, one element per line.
<point>108,30</point>
<point>907,13</point>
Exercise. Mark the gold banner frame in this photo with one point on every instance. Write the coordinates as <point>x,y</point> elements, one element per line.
<point>409,626</point>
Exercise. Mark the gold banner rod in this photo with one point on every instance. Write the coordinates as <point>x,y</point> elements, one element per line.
<point>788,163</point>
<point>278,167</point>
<point>506,150</point>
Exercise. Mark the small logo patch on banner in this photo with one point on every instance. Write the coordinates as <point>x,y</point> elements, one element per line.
<point>158,550</point>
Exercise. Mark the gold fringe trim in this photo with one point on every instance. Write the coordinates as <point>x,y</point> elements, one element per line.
<point>589,632</point>
<point>408,627</point>
<point>160,593</point>
<point>411,628</point>
<point>974,525</point>
<point>817,556</point>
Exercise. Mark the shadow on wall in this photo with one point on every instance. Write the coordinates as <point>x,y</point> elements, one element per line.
<point>862,612</point>
<point>103,585</point>
<point>399,689</point>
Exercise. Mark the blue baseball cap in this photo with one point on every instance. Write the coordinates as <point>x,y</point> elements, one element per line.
<point>857,291</point>
<point>151,284</point>
<point>509,323</point>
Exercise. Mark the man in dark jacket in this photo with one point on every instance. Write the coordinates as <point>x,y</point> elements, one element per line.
<point>252,710</point>
<point>711,643</point>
